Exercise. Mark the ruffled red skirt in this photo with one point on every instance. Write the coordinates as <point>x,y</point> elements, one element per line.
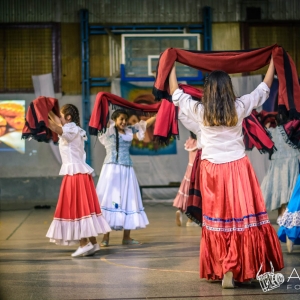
<point>182,196</point>
<point>78,214</point>
<point>236,235</point>
<point>194,202</point>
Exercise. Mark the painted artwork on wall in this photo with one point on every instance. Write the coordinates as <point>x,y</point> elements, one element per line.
<point>143,95</point>
<point>12,120</point>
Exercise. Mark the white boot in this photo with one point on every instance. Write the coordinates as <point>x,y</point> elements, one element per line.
<point>228,282</point>
<point>178,218</point>
<point>289,245</point>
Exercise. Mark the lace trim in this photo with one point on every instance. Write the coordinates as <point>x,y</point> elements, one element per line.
<point>236,228</point>
<point>119,210</point>
<point>289,219</point>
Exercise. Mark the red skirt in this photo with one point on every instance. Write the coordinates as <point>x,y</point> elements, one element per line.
<point>78,214</point>
<point>182,196</point>
<point>194,202</point>
<point>236,235</point>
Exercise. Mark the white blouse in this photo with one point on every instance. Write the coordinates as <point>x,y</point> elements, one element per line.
<point>191,124</point>
<point>108,139</point>
<point>71,147</point>
<point>222,144</point>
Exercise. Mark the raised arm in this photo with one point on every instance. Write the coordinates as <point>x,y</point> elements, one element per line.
<point>261,93</point>
<point>55,127</point>
<point>54,118</point>
<point>150,121</point>
<point>173,83</point>
<point>188,106</point>
<point>270,74</point>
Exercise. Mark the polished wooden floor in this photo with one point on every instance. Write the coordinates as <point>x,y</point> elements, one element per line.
<point>164,266</point>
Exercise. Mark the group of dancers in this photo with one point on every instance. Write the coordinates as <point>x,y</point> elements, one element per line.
<point>237,237</point>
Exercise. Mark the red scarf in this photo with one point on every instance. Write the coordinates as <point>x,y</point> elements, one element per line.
<point>235,62</point>
<point>166,124</point>
<point>100,114</point>
<point>291,133</point>
<point>36,121</point>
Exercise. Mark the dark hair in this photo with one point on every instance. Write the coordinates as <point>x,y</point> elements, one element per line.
<point>219,100</point>
<point>193,135</point>
<point>72,111</point>
<point>114,116</point>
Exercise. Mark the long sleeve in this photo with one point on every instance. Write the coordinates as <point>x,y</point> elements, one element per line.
<point>255,99</point>
<point>189,123</point>
<point>187,105</point>
<point>139,129</point>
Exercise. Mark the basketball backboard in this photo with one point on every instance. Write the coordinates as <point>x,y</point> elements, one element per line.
<point>140,54</point>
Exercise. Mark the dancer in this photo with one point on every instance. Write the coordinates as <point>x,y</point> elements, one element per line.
<point>237,237</point>
<point>78,215</point>
<point>183,193</point>
<point>279,182</point>
<point>289,230</point>
<point>117,189</point>
<point>191,145</point>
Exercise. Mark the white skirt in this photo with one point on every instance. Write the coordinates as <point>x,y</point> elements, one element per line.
<point>120,198</point>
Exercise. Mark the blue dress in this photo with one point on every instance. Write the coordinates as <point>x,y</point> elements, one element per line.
<point>290,221</point>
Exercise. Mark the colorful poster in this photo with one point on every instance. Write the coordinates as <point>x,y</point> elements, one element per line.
<point>143,95</point>
<point>12,120</point>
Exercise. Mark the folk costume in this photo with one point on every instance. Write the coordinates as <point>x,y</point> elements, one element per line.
<point>191,145</point>
<point>236,235</point>
<point>279,182</point>
<point>118,189</point>
<point>78,214</point>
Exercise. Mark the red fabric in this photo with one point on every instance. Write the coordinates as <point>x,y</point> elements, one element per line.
<point>256,136</point>
<point>100,113</point>
<point>166,123</point>
<point>266,117</point>
<point>194,203</point>
<point>181,198</point>
<point>291,133</point>
<point>36,121</point>
<point>191,90</point>
<point>237,234</point>
<point>232,62</point>
<point>77,198</point>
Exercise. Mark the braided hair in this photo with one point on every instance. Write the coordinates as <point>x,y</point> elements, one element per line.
<point>114,116</point>
<point>72,111</point>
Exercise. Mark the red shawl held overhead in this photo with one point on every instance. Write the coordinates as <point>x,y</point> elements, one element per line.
<point>36,121</point>
<point>235,62</point>
<point>100,114</point>
<point>166,124</point>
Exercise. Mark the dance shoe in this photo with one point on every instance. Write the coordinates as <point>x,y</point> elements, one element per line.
<point>130,242</point>
<point>82,250</point>
<point>104,243</point>
<point>289,245</point>
<point>96,248</point>
<point>178,218</point>
<point>228,282</point>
